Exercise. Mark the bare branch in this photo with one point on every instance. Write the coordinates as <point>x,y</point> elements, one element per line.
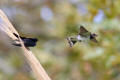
<point>36,67</point>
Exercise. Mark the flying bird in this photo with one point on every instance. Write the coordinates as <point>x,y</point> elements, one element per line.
<point>83,36</point>
<point>28,42</point>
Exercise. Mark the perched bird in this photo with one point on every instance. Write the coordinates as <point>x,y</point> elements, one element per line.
<point>28,42</point>
<point>83,36</point>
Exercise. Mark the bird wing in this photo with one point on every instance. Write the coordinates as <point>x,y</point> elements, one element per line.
<point>83,32</point>
<point>71,41</point>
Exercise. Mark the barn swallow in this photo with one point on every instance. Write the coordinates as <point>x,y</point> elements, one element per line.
<point>84,35</point>
<point>28,42</point>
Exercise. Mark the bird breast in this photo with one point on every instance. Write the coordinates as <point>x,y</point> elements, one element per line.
<point>82,38</point>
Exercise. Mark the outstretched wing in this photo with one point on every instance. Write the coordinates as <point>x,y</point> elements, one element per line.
<point>71,41</point>
<point>83,32</point>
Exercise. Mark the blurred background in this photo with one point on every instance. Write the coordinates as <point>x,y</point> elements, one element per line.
<point>52,21</point>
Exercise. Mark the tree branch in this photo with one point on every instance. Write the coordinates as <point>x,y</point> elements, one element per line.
<point>36,67</point>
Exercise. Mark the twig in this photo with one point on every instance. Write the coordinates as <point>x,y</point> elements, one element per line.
<point>36,67</point>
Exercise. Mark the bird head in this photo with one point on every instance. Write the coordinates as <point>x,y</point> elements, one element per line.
<point>94,35</point>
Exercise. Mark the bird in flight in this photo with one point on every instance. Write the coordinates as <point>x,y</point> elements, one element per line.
<point>28,42</point>
<point>83,36</point>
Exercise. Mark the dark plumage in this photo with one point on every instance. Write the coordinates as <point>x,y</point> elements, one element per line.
<point>28,42</point>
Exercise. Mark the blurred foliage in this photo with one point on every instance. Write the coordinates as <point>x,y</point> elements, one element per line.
<point>51,21</point>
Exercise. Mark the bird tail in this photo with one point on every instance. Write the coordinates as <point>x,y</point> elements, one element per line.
<point>15,44</point>
<point>16,35</point>
<point>71,41</point>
